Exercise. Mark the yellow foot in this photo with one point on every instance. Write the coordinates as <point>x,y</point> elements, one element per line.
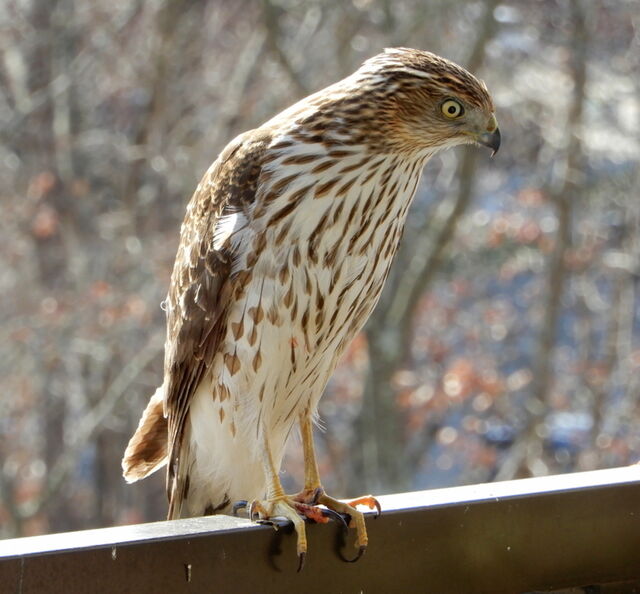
<point>305,505</point>
<point>355,518</point>
<point>290,508</point>
<point>264,511</point>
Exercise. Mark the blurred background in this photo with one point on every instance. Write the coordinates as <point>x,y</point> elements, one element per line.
<point>507,341</point>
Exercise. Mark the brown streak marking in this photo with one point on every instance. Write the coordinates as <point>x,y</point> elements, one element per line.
<point>259,242</point>
<point>368,177</point>
<point>288,298</point>
<point>299,194</point>
<point>224,392</point>
<point>273,315</point>
<point>346,187</point>
<point>221,413</point>
<point>357,165</point>
<point>338,212</point>
<point>269,157</point>
<point>307,283</point>
<point>187,484</point>
<point>296,256</point>
<point>300,159</point>
<point>283,212</point>
<point>304,322</point>
<point>312,254</point>
<point>321,223</point>
<point>330,258</point>
<point>257,361</point>
<point>377,163</point>
<point>259,211</point>
<point>252,258</point>
<point>253,335</point>
<point>380,198</point>
<point>283,233</point>
<point>232,363</point>
<point>323,166</point>
<point>313,370</point>
<point>238,329</point>
<point>256,314</point>
<point>283,275</point>
<point>281,144</point>
<point>281,184</point>
<point>389,251</point>
<point>334,316</point>
<point>323,189</point>
<point>367,204</point>
<point>334,279</point>
<point>290,413</point>
<point>360,232</point>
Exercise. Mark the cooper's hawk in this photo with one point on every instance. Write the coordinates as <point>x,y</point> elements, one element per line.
<point>284,250</point>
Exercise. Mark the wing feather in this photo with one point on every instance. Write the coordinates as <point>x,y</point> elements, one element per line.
<point>201,290</point>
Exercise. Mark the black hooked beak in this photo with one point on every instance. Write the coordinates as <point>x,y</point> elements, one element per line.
<point>490,139</point>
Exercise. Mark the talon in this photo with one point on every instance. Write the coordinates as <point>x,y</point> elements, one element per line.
<point>271,523</point>
<point>238,505</point>
<point>253,511</point>
<point>301,557</point>
<point>361,552</point>
<point>334,515</point>
<point>316,495</point>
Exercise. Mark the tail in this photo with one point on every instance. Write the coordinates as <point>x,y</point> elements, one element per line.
<point>147,449</point>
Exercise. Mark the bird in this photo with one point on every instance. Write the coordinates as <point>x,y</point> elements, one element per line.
<point>284,250</point>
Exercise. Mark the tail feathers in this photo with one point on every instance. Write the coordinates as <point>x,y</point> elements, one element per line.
<point>147,449</point>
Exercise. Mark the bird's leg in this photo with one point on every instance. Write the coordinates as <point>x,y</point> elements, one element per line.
<point>305,504</point>
<point>313,492</point>
<point>278,504</point>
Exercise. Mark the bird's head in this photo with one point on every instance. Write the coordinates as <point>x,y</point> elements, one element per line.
<point>428,102</point>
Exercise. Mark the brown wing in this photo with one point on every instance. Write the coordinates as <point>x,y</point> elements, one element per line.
<point>201,289</point>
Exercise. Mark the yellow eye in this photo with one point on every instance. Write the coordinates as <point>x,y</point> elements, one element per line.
<point>452,109</point>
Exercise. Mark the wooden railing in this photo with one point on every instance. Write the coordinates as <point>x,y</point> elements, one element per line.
<point>578,531</point>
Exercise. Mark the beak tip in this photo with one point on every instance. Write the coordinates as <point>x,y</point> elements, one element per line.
<point>491,140</point>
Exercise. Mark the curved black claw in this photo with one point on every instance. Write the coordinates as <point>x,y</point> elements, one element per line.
<point>361,552</point>
<point>268,523</point>
<point>242,504</point>
<point>251,511</point>
<point>378,509</point>
<point>334,515</point>
<point>301,558</point>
